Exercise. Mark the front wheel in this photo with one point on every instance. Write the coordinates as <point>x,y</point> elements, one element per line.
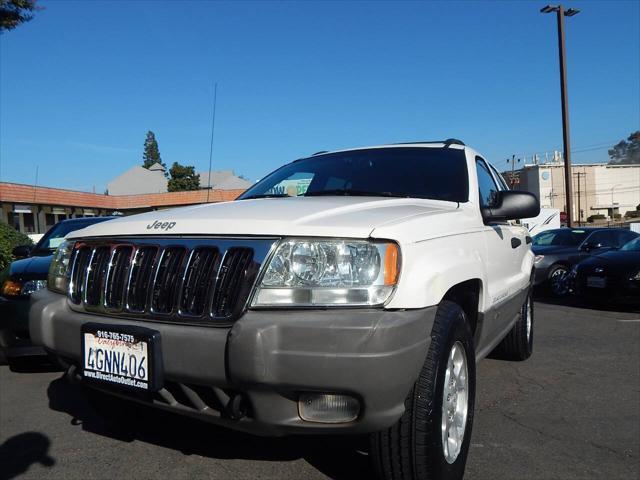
<point>431,439</point>
<point>558,280</point>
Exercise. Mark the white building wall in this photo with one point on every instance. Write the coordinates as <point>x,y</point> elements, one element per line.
<point>618,186</point>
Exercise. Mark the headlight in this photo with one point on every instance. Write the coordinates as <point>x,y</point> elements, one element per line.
<point>16,288</point>
<point>11,288</point>
<point>310,272</point>
<point>58,279</point>
<point>537,259</point>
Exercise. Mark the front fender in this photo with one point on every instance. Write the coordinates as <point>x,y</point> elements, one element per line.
<point>430,268</point>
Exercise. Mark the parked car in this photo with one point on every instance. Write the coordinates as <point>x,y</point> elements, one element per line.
<point>346,292</point>
<point>23,277</point>
<point>613,276</point>
<point>557,251</point>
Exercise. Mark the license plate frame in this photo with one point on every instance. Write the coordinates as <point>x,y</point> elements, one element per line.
<point>126,337</point>
<point>596,282</point>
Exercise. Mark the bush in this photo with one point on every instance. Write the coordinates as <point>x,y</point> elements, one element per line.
<point>617,216</point>
<point>9,239</point>
<point>597,216</point>
<point>632,214</point>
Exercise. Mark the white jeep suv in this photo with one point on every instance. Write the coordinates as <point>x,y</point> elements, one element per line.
<point>346,292</point>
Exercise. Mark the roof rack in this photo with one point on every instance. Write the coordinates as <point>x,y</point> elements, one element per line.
<point>447,143</point>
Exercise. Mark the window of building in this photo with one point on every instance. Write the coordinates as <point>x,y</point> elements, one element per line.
<point>49,220</point>
<point>28,222</point>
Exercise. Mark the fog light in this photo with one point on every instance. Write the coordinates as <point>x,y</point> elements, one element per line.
<point>328,408</point>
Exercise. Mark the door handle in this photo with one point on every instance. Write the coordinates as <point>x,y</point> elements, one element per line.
<point>515,242</point>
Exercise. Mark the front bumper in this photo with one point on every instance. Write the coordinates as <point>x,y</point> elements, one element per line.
<point>14,329</point>
<point>268,358</point>
<point>618,289</point>
<point>541,273</point>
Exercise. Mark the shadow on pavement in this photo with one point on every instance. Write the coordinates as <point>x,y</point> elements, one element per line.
<point>337,457</point>
<point>32,365</point>
<point>21,451</point>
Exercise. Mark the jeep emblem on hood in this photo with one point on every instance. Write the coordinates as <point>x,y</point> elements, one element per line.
<point>156,225</point>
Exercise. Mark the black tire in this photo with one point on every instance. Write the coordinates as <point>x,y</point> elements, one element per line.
<point>556,280</point>
<point>412,448</point>
<point>518,344</point>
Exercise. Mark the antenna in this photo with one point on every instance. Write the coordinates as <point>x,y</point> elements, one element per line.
<point>213,126</point>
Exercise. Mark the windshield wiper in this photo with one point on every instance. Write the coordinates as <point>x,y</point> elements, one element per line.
<point>266,195</point>
<point>353,193</point>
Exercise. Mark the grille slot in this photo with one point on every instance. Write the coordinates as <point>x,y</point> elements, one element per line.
<point>199,279</point>
<point>95,275</point>
<point>167,282</point>
<point>81,259</point>
<point>117,278</point>
<point>232,272</point>
<point>140,279</point>
<point>181,280</point>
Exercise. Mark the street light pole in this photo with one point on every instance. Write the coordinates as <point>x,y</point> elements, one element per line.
<point>561,13</point>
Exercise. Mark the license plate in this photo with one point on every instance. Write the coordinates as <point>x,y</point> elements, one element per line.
<point>121,356</point>
<point>596,282</point>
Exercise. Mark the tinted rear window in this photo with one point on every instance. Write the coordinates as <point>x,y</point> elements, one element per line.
<point>434,173</point>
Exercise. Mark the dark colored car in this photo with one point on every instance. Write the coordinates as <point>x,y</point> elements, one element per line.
<point>613,276</point>
<point>23,277</point>
<point>557,251</point>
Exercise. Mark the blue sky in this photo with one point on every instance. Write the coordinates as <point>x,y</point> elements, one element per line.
<point>82,83</point>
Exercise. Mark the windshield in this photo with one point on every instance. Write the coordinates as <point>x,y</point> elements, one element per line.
<point>434,173</point>
<point>55,235</point>
<point>632,246</point>
<point>563,237</point>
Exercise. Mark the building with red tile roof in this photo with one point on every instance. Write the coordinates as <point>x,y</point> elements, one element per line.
<point>34,210</point>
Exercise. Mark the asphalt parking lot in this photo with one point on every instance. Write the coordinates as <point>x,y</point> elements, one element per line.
<point>570,412</point>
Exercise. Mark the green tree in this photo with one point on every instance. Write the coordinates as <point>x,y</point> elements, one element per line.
<point>626,151</point>
<point>183,178</point>
<point>9,239</point>
<point>151,153</point>
<point>15,12</point>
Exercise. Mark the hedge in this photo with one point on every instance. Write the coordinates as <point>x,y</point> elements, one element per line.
<point>598,216</point>
<point>9,239</point>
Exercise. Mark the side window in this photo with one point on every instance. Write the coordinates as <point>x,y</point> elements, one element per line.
<point>486,184</point>
<point>603,238</point>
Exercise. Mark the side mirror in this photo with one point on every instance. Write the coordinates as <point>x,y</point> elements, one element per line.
<point>587,247</point>
<point>510,205</point>
<point>21,251</point>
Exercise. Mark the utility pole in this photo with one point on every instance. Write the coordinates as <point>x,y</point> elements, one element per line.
<point>561,13</point>
<point>512,179</point>
<point>579,175</point>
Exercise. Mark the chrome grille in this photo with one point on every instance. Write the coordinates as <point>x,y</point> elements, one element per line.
<point>199,280</point>
<point>188,280</point>
<point>166,285</point>
<point>116,280</point>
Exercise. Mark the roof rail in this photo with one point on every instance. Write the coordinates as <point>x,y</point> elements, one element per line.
<point>447,143</point>
<point>320,152</point>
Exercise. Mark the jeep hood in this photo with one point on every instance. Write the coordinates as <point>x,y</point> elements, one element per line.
<point>352,217</point>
